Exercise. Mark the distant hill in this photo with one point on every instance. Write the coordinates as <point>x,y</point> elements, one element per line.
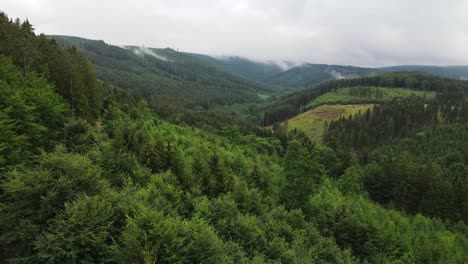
<point>166,75</point>
<point>344,102</point>
<point>311,74</point>
<point>307,75</point>
<point>298,102</point>
<point>254,70</point>
<point>454,72</point>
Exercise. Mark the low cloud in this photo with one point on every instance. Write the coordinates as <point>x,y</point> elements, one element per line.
<point>350,32</point>
<point>142,51</point>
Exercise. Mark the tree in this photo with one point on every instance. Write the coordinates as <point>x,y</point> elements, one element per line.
<point>33,196</point>
<point>352,181</point>
<point>82,233</point>
<point>303,176</point>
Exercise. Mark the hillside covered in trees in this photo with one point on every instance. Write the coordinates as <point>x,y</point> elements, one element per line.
<point>166,75</point>
<point>307,75</point>
<point>295,103</point>
<point>93,173</point>
<point>259,71</point>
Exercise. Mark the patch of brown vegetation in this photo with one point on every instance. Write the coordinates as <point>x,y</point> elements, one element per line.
<point>326,114</point>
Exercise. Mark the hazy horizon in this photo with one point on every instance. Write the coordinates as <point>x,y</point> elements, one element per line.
<point>359,33</point>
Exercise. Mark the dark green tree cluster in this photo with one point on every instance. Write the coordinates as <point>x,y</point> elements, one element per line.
<point>308,75</point>
<point>398,118</point>
<point>395,119</point>
<point>32,115</point>
<point>425,173</point>
<point>416,172</point>
<point>166,76</point>
<point>293,104</point>
<point>367,92</point>
<point>65,68</point>
<point>379,235</point>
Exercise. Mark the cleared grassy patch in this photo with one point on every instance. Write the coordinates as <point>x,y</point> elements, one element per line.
<point>263,96</point>
<point>361,95</point>
<point>313,121</point>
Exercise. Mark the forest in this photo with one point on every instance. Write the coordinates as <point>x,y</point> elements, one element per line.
<point>166,75</point>
<point>295,103</point>
<point>94,171</point>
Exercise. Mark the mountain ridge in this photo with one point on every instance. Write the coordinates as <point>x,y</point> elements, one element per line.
<point>166,74</point>
<point>283,73</point>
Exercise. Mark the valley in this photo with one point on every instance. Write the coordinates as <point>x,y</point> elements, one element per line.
<point>133,154</point>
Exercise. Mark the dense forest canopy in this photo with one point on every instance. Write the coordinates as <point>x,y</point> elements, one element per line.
<point>166,75</point>
<point>65,68</point>
<point>307,75</point>
<point>292,104</point>
<point>259,71</point>
<point>97,174</point>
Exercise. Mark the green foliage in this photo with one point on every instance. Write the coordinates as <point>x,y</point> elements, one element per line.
<point>253,70</point>
<point>67,69</point>
<point>397,118</point>
<point>78,135</point>
<point>365,95</point>
<point>165,75</point>
<point>454,72</point>
<point>33,196</point>
<point>294,103</point>
<point>315,121</point>
<point>352,181</point>
<point>32,115</point>
<point>378,235</point>
<point>303,175</point>
<point>328,158</point>
<point>307,75</point>
<point>425,173</point>
<point>150,237</point>
<point>84,229</point>
<point>137,188</point>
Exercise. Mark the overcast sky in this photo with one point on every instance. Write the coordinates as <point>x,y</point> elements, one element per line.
<point>351,32</point>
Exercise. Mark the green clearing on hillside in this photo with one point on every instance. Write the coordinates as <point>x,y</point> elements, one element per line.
<point>313,121</point>
<point>362,94</point>
<point>263,96</point>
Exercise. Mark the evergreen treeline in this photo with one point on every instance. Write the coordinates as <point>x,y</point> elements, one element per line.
<point>397,118</point>
<point>424,173</point>
<point>66,68</point>
<point>307,75</point>
<point>367,92</point>
<point>295,103</point>
<point>135,188</point>
<point>169,77</point>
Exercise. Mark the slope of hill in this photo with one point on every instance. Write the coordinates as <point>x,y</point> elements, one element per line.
<point>454,72</point>
<point>365,94</point>
<point>250,69</point>
<point>311,74</point>
<point>307,75</point>
<point>70,72</point>
<point>343,103</point>
<point>313,122</point>
<point>295,103</point>
<point>168,76</point>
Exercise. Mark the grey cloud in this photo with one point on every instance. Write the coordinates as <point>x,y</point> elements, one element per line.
<point>351,32</point>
